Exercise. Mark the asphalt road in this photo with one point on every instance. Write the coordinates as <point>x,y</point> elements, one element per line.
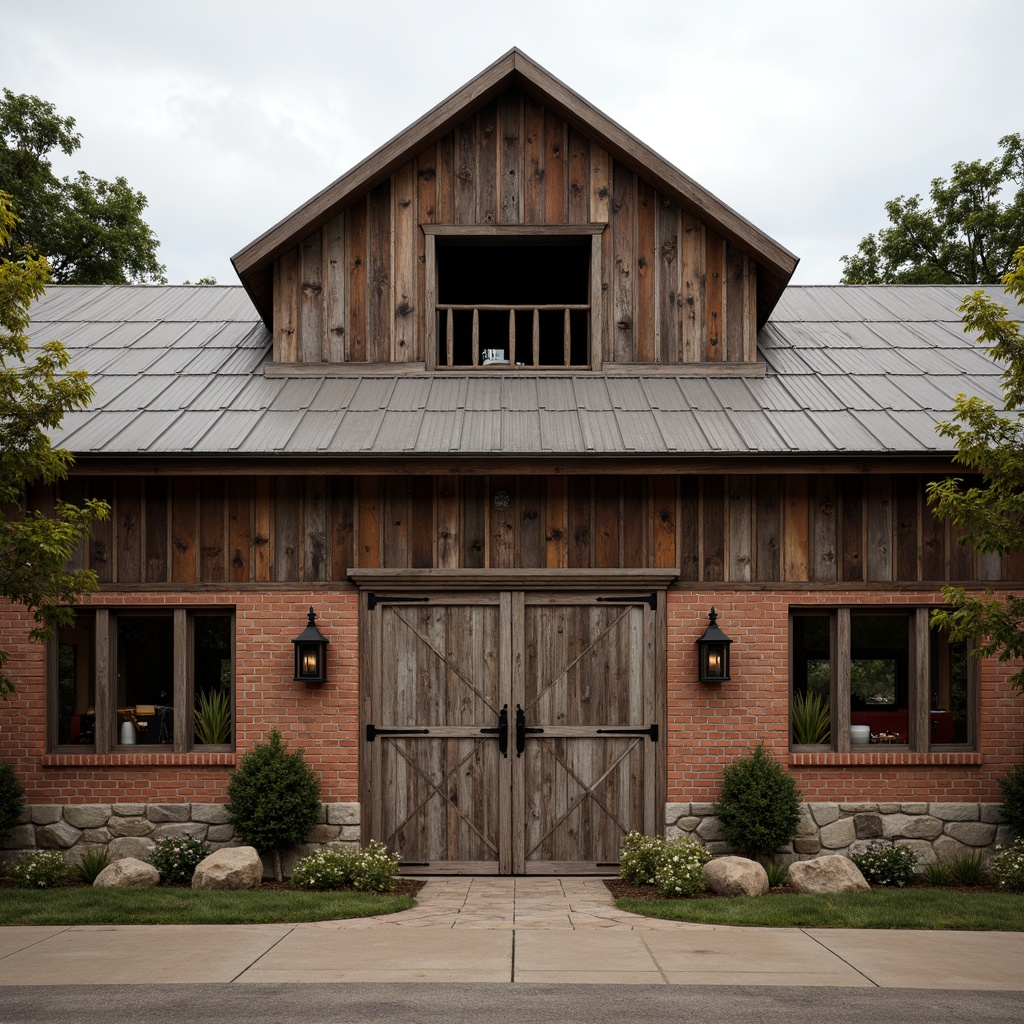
<point>499,1004</point>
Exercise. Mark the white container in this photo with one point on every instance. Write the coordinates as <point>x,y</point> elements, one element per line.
<point>127,733</point>
<point>860,734</point>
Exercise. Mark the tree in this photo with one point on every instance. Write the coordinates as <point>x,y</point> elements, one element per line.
<point>989,442</point>
<point>91,231</point>
<point>34,396</point>
<point>967,236</point>
<point>274,798</point>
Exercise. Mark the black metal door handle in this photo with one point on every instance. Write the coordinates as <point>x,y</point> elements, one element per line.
<point>522,729</point>
<point>502,730</point>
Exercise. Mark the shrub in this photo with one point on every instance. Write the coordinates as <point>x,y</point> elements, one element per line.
<point>274,798</point>
<point>882,864</point>
<point>371,869</point>
<point>937,874</point>
<point>759,808</point>
<point>967,868</point>
<point>680,872</point>
<point>177,857</point>
<point>91,864</point>
<point>778,874</point>
<point>811,718</point>
<point>212,716</point>
<point>639,857</point>
<point>10,800</point>
<point>1012,786</point>
<point>374,868</point>
<point>44,870</point>
<point>1007,868</point>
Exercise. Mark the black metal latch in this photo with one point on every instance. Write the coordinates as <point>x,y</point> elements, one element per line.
<point>522,729</point>
<point>652,732</point>
<point>372,732</point>
<point>502,730</point>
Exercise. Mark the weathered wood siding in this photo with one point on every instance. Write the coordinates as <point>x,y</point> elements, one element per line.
<point>742,529</point>
<point>672,289</point>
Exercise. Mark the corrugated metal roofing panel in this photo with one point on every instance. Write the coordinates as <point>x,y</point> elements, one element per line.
<point>229,432</point>
<point>812,393</point>
<point>721,434</point>
<point>183,431</point>
<point>296,393</point>
<point>138,435</point>
<point>481,431</point>
<point>800,432</point>
<point>785,361</point>
<point>843,431</point>
<point>270,433</point>
<point>314,432</point>
<point>560,431</point>
<point>627,393</point>
<point>440,430</point>
<point>773,393</point>
<point>358,430</point>
<point>219,393</point>
<point>682,431</point>
<point>410,395</point>
<point>520,394</point>
<point>483,394</point>
<point>756,432</point>
<point>180,393</point>
<point>923,392</point>
<point>140,393</point>
<point>663,393</point>
<point>733,394</point>
<point>639,431</point>
<point>334,392</point>
<point>398,430</point>
<point>849,393</point>
<point>921,424</point>
<point>600,431</point>
<point>243,360</point>
<point>371,394</point>
<point>891,437</point>
<point>520,430</point>
<point>556,393</point>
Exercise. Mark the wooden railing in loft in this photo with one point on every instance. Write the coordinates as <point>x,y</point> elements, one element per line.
<point>447,312</point>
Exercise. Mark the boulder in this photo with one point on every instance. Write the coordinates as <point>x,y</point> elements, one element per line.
<point>127,872</point>
<point>827,874</point>
<point>234,867</point>
<point>736,876</point>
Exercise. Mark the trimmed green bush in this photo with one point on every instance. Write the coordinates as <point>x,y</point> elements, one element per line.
<point>46,869</point>
<point>370,869</point>
<point>759,808</point>
<point>1012,786</point>
<point>680,872</point>
<point>11,792</point>
<point>274,798</point>
<point>883,864</point>
<point>1007,868</point>
<point>177,857</point>
<point>639,857</point>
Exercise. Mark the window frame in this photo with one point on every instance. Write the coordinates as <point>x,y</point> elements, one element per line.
<point>107,737</point>
<point>919,655</point>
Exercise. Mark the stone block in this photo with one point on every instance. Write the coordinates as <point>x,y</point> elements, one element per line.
<point>954,812</point>
<point>806,826</point>
<point>908,826</point>
<point>925,853</point>
<point>344,814</point>
<point>96,836</point>
<point>710,830</point>
<point>211,814</point>
<point>87,815</point>
<point>971,833</point>
<point>888,808</point>
<point>58,836</point>
<point>947,848</point>
<point>75,854</point>
<point>129,810</point>
<point>120,827</point>
<point>688,824</point>
<point>867,826</point>
<point>351,833</point>
<point>838,834</point>
<point>914,808</point>
<point>858,808</point>
<point>1004,836</point>
<point>806,846</point>
<point>992,813</point>
<point>824,814</point>
<point>185,828</point>
<point>160,813</point>
<point>673,812</point>
<point>220,833</point>
<point>43,814</point>
<point>736,876</point>
<point>323,834</point>
<point>702,810</point>
<point>235,867</point>
<point>130,846</point>
<point>716,848</point>
<point>127,872</point>
<point>859,846</point>
<point>671,832</point>
<point>22,837</point>
<point>827,874</point>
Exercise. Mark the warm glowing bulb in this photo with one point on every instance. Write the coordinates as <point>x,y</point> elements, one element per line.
<point>309,663</point>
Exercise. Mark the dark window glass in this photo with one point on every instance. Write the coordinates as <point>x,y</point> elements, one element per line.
<point>145,676</point>
<point>212,678</point>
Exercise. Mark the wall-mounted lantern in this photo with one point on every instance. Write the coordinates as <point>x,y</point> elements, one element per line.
<point>713,653</point>
<point>311,654</point>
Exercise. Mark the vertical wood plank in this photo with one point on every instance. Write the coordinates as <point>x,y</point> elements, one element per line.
<point>607,520</point>
<point>184,696</point>
<point>920,721</point>
<point>740,517</point>
<point>579,178</point>
<point>421,522</point>
<point>355,240</point>
<point>212,525</point>
<point>311,291</point>
<point>406,232</point>
<point>474,523</point>
<point>379,318</point>
<point>933,545</point>
<point>240,510</point>
<point>824,529</point>
<point>426,203</point>
<point>554,169</point>
<point>768,526</point>
<point>101,544</point>
<point>852,523</point>
<point>368,521</point>
<point>600,184</point>
<point>647,347</point>
<point>185,530</point>
<point>285,566</point>
<point>315,543</point>
<point>105,724</point>
<point>335,277</point>
<point>531,522</point>
<point>623,225</point>
<point>396,522</point>
<point>715,273</point>
<point>663,502</point>
<point>795,544</point>
<point>689,528</point>
<point>448,544</point>
<point>735,304</point>
<point>286,299</point>
<point>750,309</point>
<point>556,525</point>
<point>694,287</point>
<point>128,531</point>
<point>669,282</point>
<point>908,511</point>
<point>342,526</point>
<point>445,167</point>
<point>156,521</point>
<point>533,161</point>
<point>961,556</point>
<point>501,524</point>
<point>713,539</point>
<point>511,105</point>
<point>580,514</point>
<point>465,172</point>
<point>839,639</point>
<point>879,519</point>
<point>635,523</point>
<point>263,529</point>
<point>487,165</point>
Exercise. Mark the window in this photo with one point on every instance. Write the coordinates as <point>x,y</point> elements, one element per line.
<point>140,679</point>
<point>878,677</point>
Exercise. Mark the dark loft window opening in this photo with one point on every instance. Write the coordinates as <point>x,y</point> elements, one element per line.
<point>523,303</point>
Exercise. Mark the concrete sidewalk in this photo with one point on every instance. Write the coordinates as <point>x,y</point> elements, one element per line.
<point>546,930</point>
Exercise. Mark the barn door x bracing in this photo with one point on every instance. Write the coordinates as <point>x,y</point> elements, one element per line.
<point>511,732</point>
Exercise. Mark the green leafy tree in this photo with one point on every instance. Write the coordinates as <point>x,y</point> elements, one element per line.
<point>274,798</point>
<point>11,792</point>
<point>36,390</point>
<point>989,442</point>
<point>91,231</point>
<point>967,235</point>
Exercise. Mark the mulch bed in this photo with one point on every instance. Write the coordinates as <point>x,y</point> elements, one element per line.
<point>623,890</point>
<point>403,886</point>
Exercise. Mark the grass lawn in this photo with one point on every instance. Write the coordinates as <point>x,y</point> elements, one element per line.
<point>915,907</point>
<point>167,905</point>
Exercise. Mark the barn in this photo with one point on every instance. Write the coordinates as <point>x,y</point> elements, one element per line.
<point>584,498</point>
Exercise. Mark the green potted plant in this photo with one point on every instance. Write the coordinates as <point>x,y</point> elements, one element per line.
<point>811,719</point>
<point>212,716</point>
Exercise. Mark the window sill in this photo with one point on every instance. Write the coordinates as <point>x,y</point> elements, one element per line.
<point>139,760</point>
<point>884,757</point>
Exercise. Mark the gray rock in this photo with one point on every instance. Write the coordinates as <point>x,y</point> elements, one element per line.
<point>888,808</point>
<point>971,833</point>
<point>824,814</point>
<point>187,828</point>
<point>688,824</point>
<point>43,814</point>
<point>671,832</point>
<point>924,851</point>
<point>914,808</point>
<point>1004,836</point>
<point>120,827</point>
<point>827,874</point>
<point>838,834</point>
<point>673,812</point>
<point>736,876</point>
<point>96,836</point>
<point>211,814</point>
<point>127,872</point>
<point>87,815</point>
<point>130,846</point>
<point>717,848</point>
<point>220,833</point>
<point>351,833</point>
<point>58,836</point>
<point>702,810</point>
<point>867,826</point>
<point>234,867</point>
<point>908,826</point>
<point>806,846</point>
<point>76,853</point>
<point>858,808</point>
<point>129,810</point>
<point>22,837</point>
<point>710,830</point>
<point>806,826</point>
<point>323,834</point>
<point>947,848</point>
<point>954,812</point>
<point>158,813</point>
<point>992,813</point>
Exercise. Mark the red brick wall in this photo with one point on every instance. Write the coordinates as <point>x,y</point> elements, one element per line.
<point>710,725</point>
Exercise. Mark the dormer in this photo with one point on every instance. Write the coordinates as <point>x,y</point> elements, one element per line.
<point>514,228</point>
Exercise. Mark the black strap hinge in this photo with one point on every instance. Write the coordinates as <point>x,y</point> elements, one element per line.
<point>652,731</point>
<point>649,599</point>
<point>372,732</point>
<point>372,600</point>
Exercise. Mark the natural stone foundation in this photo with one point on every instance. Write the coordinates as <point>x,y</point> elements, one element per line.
<point>934,831</point>
<point>130,830</point>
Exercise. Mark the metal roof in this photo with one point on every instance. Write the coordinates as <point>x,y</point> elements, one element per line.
<point>865,370</point>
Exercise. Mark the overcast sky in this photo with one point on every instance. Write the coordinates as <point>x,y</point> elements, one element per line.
<point>803,116</point>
